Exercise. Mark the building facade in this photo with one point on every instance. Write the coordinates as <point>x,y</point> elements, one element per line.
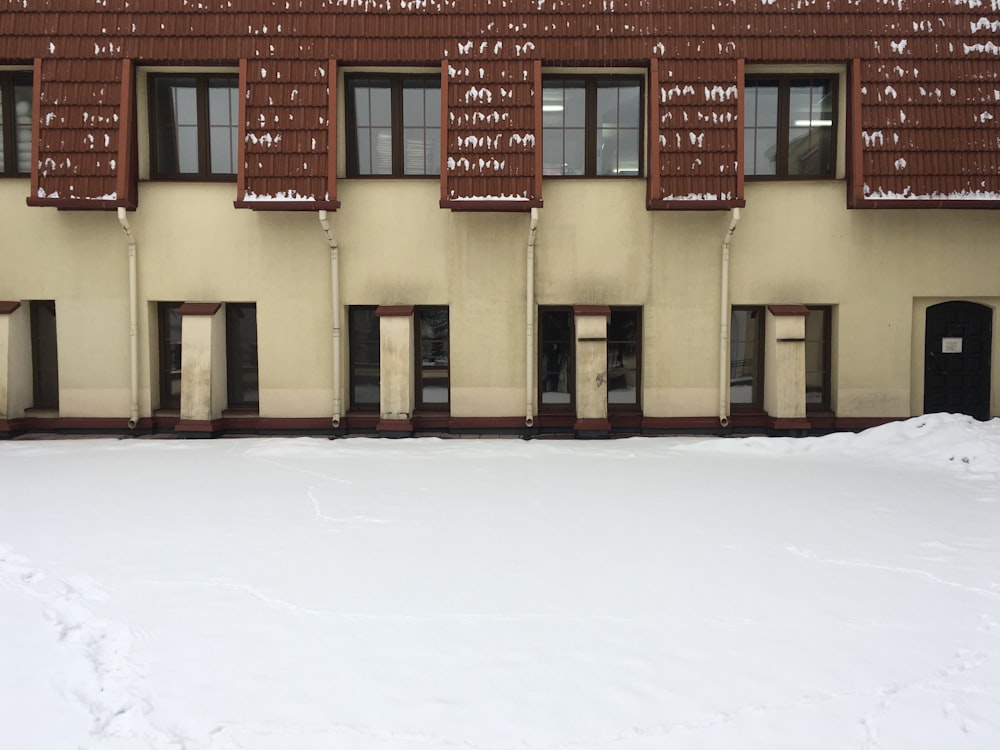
<point>586,217</point>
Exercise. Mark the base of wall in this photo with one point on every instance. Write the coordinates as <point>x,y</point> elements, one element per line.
<point>370,425</point>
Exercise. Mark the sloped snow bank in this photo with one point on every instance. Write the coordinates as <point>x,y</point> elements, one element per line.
<point>954,441</point>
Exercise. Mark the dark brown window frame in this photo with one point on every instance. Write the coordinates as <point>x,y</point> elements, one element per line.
<point>418,342</point>
<point>784,81</point>
<point>234,341</point>
<point>827,347</point>
<point>591,83</point>
<point>353,358</point>
<point>637,341</point>
<point>569,406</point>
<point>165,345</point>
<point>8,80</point>
<point>756,404</point>
<point>204,173</point>
<point>43,398</point>
<point>396,84</point>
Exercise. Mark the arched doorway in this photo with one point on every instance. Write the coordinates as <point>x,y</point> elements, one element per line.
<point>957,351</point>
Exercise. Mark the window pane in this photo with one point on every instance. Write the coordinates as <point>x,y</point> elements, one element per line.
<point>22,128</point>
<point>365,357</point>
<point>413,106</point>
<point>170,355</point>
<point>433,373</point>
<point>222,118</point>
<point>241,351</point>
<point>44,354</point>
<point>810,126</point>
<point>552,152</point>
<point>223,150</point>
<point>556,353</point>
<point>186,146</point>
<point>760,134</point>
<point>382,151</point>
<point>175,117</point>
<point>744,357</point>
<point>1,130</point>
<point>623,357</point>
<point>422,135</point>
<point>575,114</point>
<point>574,153</point>
<point>817,351</point>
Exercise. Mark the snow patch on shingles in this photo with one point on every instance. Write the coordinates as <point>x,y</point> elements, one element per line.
<point>955,195</point>
<point>874,138</point>
<point>694,197</point>
<point>900,163</point>
<point>974,4</point>
<point>985,24</point>
<point>500,197</point>
<point>987,48</point>
<point>282,195</point>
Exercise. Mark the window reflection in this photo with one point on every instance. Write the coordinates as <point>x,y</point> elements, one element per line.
<point>745,357</point>
<point>433,372</point>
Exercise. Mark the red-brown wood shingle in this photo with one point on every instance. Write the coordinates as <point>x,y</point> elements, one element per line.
<point>928,119</point>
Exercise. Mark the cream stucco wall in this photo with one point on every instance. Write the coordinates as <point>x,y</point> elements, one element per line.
<point>596,244</point>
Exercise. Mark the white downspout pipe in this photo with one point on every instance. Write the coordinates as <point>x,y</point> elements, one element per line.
<point>133,318</point>
<point>529,358</point>
<point>724,324</point>
<point>335,301</point>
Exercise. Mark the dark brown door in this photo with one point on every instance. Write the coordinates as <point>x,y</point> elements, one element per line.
<point>957,348</point>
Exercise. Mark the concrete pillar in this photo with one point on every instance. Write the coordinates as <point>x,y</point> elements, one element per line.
<point>591,323</point>
<point>396,370</point>
<point>15,363</point>
<point>785,366</point>
<point>203,365</point>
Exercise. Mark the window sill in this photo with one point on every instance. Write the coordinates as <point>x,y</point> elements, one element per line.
<point>241,412</point>
<point>41,412</point>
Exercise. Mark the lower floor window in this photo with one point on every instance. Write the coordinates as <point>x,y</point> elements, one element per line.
<point>818,337</point>
<point>746,358</point>
<point>169,329</point>
<point>44,355</point>
<point>363,338</point>
<point>432,372</point>
<point>624,362</point>
<point>241,354</point>
<point>555,358</point>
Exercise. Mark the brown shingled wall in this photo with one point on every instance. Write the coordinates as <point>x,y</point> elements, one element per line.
<point>916,142</point>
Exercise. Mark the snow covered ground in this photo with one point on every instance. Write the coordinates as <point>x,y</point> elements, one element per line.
<point>641,594</point>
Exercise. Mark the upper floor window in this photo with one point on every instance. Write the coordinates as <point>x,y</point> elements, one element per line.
<point>393,125</point>
<point>592,126</point>
<point>193,126</point>
<point>15,123</point>
<point>790,129</point>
